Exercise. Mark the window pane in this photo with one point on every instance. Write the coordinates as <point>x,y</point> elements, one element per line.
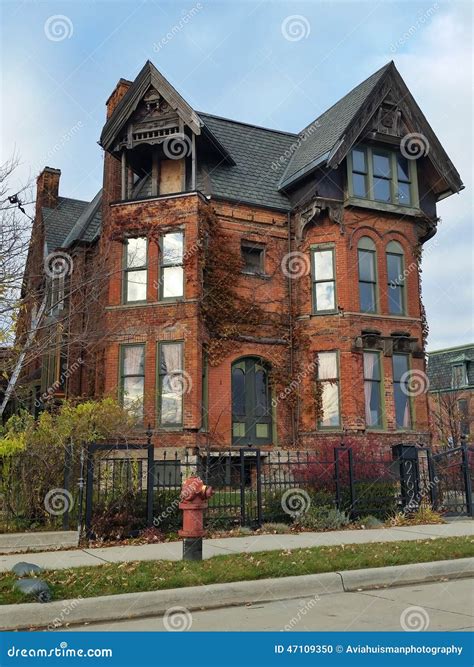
<point>358,160</point>
<point>395,299</point>
<point>327,365</point>
<point>323,266</point>
<point>402,407</point>
<point>252,259</point>
<point>261,430</point>
<point>381,164</point>
<point>403,171</point>
<point>404,195</point>
<point>325,296</point>
<point>136,252</point>
<point>172,248</point>
<point>371,366</point>
<point>400,366</point>
<point>136,285</point>
<point>330,404</point>
<point>171,360</point>
<point>238,391</point>
<point>382,190</point>
<point>238,430</point>
<point>133,394</point>
<point>373,415</point>
<point>261,393</point>
<point>394,268</point>
<point>171,401</point>
<point>366,265</point>
<point>133,360</point>
<point>367,297</point>
<point>358,185</point>
<point>172,281</point>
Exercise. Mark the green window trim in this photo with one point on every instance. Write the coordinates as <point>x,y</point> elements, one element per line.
<point>318,283</point>
<point>394,252</point>
<point>205,394</point>
<point>400,180</point>
<point>127,270</point>
<point>373,390</point>
<point>400,380</point>
<point>170,386</point>
<point>336,380</point>
<point>123,377</point>
<point>368,286</point>
<point>169,264</point>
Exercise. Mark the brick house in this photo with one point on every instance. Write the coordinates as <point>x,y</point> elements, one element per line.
<point>451,394</point>
<point>236,285</point>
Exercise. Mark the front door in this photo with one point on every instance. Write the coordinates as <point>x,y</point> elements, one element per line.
<point>251,404</point>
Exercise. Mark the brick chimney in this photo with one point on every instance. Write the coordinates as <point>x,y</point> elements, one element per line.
<point>47,188</point>
<point>119,91</point>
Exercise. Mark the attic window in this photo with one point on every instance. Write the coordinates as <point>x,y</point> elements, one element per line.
<point>459,376</point>
<point>252,256</point>
<point>382,175</point>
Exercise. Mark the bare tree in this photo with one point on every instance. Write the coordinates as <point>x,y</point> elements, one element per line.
<point>449,419</point>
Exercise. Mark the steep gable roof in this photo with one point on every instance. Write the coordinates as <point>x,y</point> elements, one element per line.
<point>87,225</point>
<point>337,129</point>
<point>319,137</point>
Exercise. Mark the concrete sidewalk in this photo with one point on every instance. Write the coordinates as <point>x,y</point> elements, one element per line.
<point>59,560</point>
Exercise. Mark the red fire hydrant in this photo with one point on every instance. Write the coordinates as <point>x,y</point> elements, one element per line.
<point>194,497</point>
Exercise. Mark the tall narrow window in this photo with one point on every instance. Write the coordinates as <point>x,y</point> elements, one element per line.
<point>401,391</point>
<point>135,270</point>
<point>359,172</point>
<point>367,275</point>
<point>404,185</point>
<point>132,378</point>
<point>324,282</point>
<point>171,279</point>
<point>328,379</point>
<point>171,384</point>
<point>372,390</point>
<point>251,403</point>
<point>459,376</point>
<point>396,279</point>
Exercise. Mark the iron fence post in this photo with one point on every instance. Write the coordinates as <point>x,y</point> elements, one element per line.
<point>89,490</point>
<point>150,484</point>
<point>467,480</point>
<point>242,488</point>
<point>259,489</point>
<point>433,480</point>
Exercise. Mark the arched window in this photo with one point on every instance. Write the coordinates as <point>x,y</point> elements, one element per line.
<point>251,404</point>
<point>366,257</point>
<point>395,278</point>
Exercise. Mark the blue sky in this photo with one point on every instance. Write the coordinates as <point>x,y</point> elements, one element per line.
<point>235,59</point>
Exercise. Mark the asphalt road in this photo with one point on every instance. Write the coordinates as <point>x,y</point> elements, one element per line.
<point>436,606</point>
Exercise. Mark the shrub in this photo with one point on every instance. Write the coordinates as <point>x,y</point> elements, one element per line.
<point>375,498</point>
<point>166,512</point>
<point>322,518</point>
<point>275,528</point>
<point>273,507</point>
<point>117,518</point>
<point>423,515</point>
<point>369,521</point>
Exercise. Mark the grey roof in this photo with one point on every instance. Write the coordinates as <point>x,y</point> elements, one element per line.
<point>255,150</point>
<point>322,135</point>
<point>441,362</point>
<point>61,223</point>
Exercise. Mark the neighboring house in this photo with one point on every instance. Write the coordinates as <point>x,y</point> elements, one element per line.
<point>451,394</point>
<point>251,287</point>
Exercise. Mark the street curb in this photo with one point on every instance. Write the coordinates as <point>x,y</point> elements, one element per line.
<point>156,603</point>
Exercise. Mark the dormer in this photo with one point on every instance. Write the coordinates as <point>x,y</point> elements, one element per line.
<point>153,132</point>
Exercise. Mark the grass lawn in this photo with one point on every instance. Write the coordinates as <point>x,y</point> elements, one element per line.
<point>157,575</point>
